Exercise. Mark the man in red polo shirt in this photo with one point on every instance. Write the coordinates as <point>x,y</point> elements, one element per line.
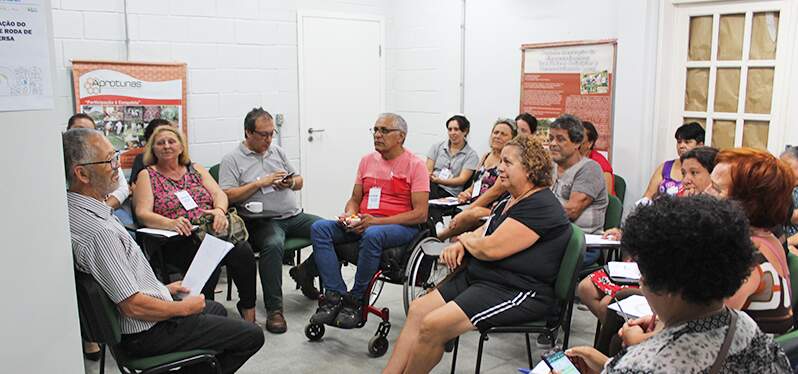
<point>389,199</point>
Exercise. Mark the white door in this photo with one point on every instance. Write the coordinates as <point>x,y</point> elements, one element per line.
<point>340,95</point>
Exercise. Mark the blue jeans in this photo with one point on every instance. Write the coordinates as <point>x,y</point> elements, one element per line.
<point>326,233</point>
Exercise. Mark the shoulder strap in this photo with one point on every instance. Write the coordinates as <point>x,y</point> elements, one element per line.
<point>724,348</point>
<point>775,253</point>
<point>666,169</point>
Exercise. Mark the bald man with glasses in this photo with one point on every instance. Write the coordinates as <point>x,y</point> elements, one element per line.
<point>389,200</point>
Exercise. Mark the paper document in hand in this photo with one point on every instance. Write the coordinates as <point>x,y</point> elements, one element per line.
<point>210,253</point>
<point>626,270</point>
<point>592,240</point>
<point>634,306</point>
<point>445,201</point>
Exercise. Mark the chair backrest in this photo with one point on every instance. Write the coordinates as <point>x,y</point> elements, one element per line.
<point>620,186</point>
<point>570,265</point>
<point>97,311</point>
<point>214,172</point>
<point>614,213</point>
<point>792,264</point>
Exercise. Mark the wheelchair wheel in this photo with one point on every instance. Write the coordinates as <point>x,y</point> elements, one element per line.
<point>423,273</point>
<point>378,345</point>
<point>314,331</point>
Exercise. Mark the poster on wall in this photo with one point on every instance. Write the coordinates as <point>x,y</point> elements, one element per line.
<point>25,81</point>
<point>123,97</point>
<point>570,77</point>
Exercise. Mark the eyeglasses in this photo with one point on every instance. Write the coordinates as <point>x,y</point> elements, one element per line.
<point>114,162</point>
<point>382,130</point>
<point>265,134</point>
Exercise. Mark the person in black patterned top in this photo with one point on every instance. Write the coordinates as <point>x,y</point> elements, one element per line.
<point>693,252</point>
<point>151,321</point>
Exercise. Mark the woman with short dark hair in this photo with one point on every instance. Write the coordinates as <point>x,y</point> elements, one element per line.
<point>667,179</point>
<point>452,162</point>
<point>693,253</point>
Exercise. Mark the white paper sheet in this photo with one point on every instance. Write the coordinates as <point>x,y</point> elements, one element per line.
<point>166,233</point>
<point>634,306</point>
<point>445,201</point>
<point>592,240</point>
<point>210,253</point>
<point>627,270</point>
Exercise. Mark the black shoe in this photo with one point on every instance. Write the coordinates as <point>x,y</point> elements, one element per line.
<point>304,283</point>
<point>351,314</point>
<point>329,308</point>
<point>545,341</point>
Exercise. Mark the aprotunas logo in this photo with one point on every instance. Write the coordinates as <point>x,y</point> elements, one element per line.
<point>95,86</point>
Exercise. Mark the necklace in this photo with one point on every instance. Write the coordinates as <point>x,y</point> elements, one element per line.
<point>521,197</point>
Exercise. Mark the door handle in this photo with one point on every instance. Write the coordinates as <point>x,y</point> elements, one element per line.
<point>312,130</point>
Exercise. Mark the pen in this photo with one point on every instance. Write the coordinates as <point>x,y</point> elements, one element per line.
<point>623,314</point>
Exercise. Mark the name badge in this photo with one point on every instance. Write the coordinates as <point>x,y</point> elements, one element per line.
<point>186,200</point>
<point>374,198</point>
<point>445,173</point>
<point>266,190</point>
<point>477,189</point>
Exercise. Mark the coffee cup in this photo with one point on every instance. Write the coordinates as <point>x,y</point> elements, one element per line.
<point>254,206</point>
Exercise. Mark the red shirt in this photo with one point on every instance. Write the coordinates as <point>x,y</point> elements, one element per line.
<point>605,167</point>
<point>396,178</point>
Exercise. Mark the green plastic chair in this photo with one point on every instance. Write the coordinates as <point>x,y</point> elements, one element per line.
<point>792,264</point>
<point>620,186</point>
<point>564,287</point>
<point>99,322</point>
<point>214,172</point>
<point>614,213</point>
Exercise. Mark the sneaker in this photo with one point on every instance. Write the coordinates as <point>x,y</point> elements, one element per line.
<point>304,283</point>
<point>545,341</point>
<point>351,314</point>
<point>329,308</point>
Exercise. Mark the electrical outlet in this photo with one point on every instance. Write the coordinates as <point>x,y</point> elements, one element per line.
<point>279,119</point>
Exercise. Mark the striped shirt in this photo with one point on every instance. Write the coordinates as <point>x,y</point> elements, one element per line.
<point>102,248</point>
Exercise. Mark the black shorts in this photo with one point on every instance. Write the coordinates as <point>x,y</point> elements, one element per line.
<point>489,304</point>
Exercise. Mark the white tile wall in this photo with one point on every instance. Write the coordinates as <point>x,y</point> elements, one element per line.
<point>240,54</point>
<point>423,67</point>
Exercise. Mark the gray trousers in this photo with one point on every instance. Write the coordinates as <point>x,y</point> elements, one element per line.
<point>267,235</point>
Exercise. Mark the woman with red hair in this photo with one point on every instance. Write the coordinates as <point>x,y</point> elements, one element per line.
<point>762,185</point>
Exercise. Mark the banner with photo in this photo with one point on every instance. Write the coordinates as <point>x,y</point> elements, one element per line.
<point>123,97</point>
<point>570,77</point>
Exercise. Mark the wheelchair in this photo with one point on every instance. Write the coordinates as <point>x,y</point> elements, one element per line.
<point>414,266</point>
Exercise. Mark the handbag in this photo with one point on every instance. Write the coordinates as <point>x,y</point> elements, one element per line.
<point>236,229</point>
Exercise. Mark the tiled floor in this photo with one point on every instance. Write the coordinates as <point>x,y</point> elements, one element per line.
<point>345,351</point>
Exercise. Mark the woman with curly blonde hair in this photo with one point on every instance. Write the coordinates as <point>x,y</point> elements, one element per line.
<point>509,264</point>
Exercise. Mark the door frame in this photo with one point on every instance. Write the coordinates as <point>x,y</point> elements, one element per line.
<point>301,15</point>
<point>670,78</point>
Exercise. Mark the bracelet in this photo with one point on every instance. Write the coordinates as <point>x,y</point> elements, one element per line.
<point>293,182</point>
<point>220,208</point>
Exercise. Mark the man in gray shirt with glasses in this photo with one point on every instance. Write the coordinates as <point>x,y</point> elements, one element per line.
<point>259,179</point>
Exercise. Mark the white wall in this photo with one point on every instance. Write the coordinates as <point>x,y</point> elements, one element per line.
<point>39,317</point>
<point>423,67</point>
<point>495,31</point>
<point>240,54</point>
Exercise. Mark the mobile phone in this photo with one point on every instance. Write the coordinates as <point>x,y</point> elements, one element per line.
<point>286,177</point>
<point>557,360</point>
